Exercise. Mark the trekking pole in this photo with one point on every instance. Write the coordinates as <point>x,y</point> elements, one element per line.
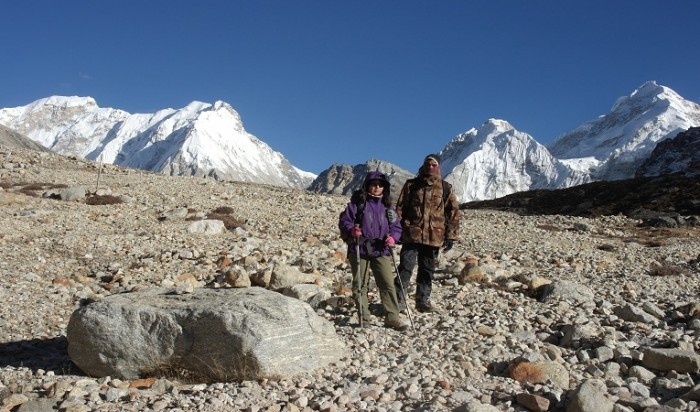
<point>99,173</point>
<point>359,279</point>
<point>403,291</point>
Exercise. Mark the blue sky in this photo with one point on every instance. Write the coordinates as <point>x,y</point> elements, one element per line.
<point>326,81</point>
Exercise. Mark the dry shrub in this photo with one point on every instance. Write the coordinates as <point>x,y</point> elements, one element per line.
<point>5,185</point>
<point>526,372</point>
<point>657,237</point>
<point>223,210</point>
<point>28,192</point>
<point>474,275</point>
<point>230,222</point>
<point>41,186</point>
<point>607,247</point>
<point>666,269</point>
<point>103,200</point>
<point>34,186</point>
<point>217,373</point>
<point>550,228</point>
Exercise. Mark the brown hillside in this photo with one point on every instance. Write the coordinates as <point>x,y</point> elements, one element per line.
<point>638,198</point>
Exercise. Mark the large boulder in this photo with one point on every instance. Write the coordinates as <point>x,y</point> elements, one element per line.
<point>208,335</point>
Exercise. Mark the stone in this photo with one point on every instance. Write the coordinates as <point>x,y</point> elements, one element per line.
<point>632,313</point>
<point>72,194</point>
<point>541,372</point>
<point>207,227</point>
<point>671,359</point>
<point>531,402</point>
<point>590,396</point>
<point>314,295</point>
<point>284,275</point>
<point>568,291</point>
<point>219,334</point>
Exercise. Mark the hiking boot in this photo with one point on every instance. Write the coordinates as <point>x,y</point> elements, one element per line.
<point>396,324</point>
<point>424,307</point>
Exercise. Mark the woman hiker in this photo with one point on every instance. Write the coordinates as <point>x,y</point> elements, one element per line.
<point>371,226</point>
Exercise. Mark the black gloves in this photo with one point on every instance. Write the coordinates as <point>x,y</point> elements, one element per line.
<point>448,245</point>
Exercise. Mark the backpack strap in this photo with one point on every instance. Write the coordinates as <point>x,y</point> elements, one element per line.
<point>445,192</point>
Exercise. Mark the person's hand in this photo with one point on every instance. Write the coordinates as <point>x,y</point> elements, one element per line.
<point>389,241</point>
<point>356,232</point>
<point>448,245</point>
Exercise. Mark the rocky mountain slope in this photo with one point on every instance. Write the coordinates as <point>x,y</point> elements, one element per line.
<point>672,195</point>
<point>536,312</point>
<point>682,153</point>
<point>12,139</point>
<point>344,179</point>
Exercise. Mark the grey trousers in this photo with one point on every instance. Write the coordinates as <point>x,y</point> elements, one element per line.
<point>425,256</point>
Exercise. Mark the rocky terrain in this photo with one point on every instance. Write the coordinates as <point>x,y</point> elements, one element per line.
<point>536,311</point>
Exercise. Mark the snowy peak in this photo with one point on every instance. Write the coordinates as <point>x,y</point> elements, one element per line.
<point>64,102</point>
<point>620,140</point>
<point>497,160</point>
<point>495,126</point>
<point>200,139</point>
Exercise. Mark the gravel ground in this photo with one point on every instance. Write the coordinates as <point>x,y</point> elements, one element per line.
<point>626,290</point>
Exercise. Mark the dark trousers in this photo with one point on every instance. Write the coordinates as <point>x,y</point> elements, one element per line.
<point>426,256</point>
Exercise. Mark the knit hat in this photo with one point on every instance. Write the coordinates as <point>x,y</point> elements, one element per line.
<point>433,157</point>
<point>376,176</point>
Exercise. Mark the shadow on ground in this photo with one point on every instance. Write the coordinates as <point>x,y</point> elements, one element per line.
<point>46,354</point>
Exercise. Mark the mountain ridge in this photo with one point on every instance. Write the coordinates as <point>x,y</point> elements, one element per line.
<point>491,161</point>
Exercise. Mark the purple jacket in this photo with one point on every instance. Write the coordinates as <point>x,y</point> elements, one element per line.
<point>375,227</point>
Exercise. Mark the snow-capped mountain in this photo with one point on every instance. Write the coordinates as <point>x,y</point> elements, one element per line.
<point>492,161</point>
<point>616,144</point>
<point>200,139</point>
<point>496,160</point>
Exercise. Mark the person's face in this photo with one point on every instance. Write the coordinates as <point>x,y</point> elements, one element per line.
<point>375,188</point>
<point>431,167</point>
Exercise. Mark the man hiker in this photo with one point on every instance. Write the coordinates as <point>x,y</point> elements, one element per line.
<point>429,215</point>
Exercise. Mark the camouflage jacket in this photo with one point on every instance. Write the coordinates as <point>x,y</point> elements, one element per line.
<point>427,215</point>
